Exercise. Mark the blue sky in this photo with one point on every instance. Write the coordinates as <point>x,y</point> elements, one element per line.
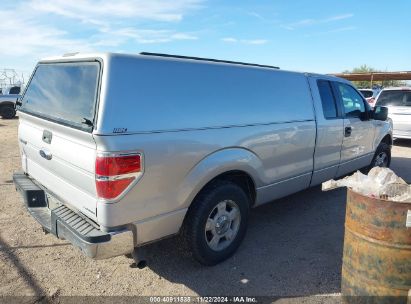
<point>316,36</point>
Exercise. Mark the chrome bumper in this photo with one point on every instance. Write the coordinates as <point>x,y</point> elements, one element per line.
<point>71,226</point>
<point>120,243</point>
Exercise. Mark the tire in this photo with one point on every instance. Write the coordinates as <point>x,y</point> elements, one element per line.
<point>382,157</point>
<point>208,220</point>
<point>8,112</point>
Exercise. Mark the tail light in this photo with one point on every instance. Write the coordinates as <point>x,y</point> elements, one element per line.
<point>115,172</point>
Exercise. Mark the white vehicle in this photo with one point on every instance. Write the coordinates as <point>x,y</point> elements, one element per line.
<point>398,102</point>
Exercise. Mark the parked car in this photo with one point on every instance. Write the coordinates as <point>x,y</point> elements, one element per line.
<point>7,105</point>
<point>191,148</point>
<point>370,95</point>
<point>398,102</point>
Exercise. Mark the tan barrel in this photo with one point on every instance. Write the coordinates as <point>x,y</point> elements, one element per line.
<point>377,251</point>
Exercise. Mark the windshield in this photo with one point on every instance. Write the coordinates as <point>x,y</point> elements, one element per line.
<point>395,98</point>
<point>63,92</point>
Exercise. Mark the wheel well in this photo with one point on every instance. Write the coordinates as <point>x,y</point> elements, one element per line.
<point>241,179</point>
<point>387,139</point>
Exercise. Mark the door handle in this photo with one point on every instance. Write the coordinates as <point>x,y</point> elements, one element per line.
<point>347,131</point>
<point>46,154</point>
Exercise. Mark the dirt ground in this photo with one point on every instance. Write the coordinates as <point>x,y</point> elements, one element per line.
<point>292,251</point>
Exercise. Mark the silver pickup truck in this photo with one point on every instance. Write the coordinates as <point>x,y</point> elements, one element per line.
<point>122,150</point>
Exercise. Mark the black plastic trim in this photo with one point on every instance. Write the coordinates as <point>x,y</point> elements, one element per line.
<point>32,194</point>
<point>35,200</point>
<point>208,59</point>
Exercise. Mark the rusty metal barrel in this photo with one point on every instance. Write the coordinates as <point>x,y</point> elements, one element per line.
<point>377,251</point>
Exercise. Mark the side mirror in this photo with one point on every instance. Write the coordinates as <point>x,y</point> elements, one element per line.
<point>380,113</point>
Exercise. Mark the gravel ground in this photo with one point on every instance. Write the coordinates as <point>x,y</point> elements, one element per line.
<point>292,251</point>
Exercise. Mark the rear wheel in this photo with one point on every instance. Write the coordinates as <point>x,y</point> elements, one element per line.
<point>8,112</point>
<point>216,222</point>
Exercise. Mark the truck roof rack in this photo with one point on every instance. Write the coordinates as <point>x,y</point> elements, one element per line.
<point>208,59</point>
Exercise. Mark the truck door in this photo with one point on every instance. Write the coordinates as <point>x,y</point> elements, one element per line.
<point>329,130</point>
<point>357,148</point>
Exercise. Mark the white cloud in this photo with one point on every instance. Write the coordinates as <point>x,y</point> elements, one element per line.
<point>304,22</point>
<point>100,10</point>
<point>229,39</point>
<point>40,28</point>
<point>287,27</point>
<point>343,29</point>
<point>27,37</point>
<point>339,17</point>
<point>337,30</point>
<point>268,16</point>
<point>310,22</point>
<point>257,15</point>
<point>183,36</point>
<point>244,41</point>
<point>254,41</point>
<point>142,36</point>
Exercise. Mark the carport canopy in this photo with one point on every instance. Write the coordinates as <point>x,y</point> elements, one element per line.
<point>375,76</point>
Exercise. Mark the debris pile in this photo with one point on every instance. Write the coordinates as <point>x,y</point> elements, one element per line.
<point>381,183</point>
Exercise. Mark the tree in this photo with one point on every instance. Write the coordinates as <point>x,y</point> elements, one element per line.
<point>367,84</point>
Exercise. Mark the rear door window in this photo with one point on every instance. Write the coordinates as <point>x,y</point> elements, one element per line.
<point>63,92</point>
<point>327,99</point>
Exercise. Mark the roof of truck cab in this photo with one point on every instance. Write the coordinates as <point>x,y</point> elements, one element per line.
<point>165,57</point>
<point>105,56</point>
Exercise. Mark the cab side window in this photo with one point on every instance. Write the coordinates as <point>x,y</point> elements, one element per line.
<point>327,99</point>
<point>353,102</point>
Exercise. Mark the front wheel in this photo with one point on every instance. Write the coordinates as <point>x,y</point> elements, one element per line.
<point>382,157</point>
<point>216,222</point>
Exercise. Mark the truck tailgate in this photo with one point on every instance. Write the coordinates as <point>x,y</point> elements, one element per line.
<point>55,133</point>
<point>69,173</point>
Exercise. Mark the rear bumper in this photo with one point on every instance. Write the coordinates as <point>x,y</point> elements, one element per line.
<point>69,225</point>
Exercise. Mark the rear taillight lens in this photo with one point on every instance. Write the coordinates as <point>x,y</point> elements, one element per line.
<point>115,172</point>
